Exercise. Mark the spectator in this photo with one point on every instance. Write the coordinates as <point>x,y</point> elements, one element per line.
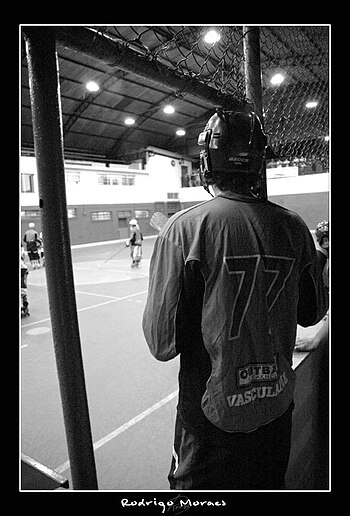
<point>322,250</point>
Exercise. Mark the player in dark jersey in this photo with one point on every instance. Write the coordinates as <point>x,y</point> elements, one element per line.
<point>322,249</point>
<point>230,279</point>
<point>321,337</point>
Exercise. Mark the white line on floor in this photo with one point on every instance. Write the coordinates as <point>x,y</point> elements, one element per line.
<point>93,294</point>
<point>92,306</point>
<point>112,301</point>
<point>107,242</point>
<point>63,467</point>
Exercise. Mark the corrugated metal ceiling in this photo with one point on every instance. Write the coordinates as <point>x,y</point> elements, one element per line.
<point>93,123</point>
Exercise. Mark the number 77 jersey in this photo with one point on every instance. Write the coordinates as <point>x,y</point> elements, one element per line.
<point>257,262</point>
<point>277,270</point>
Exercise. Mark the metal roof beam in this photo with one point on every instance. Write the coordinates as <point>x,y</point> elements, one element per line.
<point>116,55</point>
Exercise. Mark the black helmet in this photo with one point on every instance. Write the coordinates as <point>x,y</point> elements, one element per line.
<point>233,142</point>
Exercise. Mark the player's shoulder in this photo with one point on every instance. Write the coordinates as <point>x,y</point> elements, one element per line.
<point>292,224</point>
<point>185,221</point>
<point>189,213</point>
<point>288,214</point>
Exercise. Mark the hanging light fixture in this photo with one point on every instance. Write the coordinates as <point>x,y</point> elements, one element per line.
<point>311,104</point>
<point>92,86</point>
<point>277,79</point>
<point>212,37</point>
<point>169,110</point>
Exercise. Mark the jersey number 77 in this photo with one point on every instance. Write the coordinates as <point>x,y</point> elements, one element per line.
<point>277,270</point>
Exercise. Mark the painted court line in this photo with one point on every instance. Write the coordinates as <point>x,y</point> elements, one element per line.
<point>98,295</point>
<point>63,467</point>
<point>113,300</point>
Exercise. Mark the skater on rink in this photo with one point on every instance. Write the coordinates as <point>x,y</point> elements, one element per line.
<point>230,279</point>
<point>33,243</point>
<point>135,243</point>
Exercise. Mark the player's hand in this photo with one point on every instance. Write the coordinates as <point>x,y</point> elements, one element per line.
<point>305,344</point>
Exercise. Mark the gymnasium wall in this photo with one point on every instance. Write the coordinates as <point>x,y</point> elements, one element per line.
<point>312,207</point>
<point>156,187</point>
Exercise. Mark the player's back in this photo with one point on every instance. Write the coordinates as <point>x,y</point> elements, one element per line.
<point>251,255</point>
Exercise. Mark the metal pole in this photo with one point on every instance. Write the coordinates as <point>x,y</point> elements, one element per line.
<point>48,143</point>
<point>252,72</point>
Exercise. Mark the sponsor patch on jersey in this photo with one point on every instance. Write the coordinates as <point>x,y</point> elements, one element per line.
<point>261,391</point>
<point>257,372</point>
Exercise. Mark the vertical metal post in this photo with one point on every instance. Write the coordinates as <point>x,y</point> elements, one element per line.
<point>252,71</point>
<point>48,143</point>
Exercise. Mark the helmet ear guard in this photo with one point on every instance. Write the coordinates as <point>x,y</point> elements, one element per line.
<point>205,173</point>
<point>206,177</point>
<point>204,157</point>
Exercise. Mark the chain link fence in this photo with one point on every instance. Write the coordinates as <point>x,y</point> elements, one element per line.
<point>185,51</point>
<point>295,111</point>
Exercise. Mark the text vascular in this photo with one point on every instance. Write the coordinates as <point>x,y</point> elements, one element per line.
<point>235,400</point>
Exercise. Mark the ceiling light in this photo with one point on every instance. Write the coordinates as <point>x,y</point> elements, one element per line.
<point>129,121</point>
<point>277,79</point>
<point>181,132</point>
<point>311,104</point>
<point>92,86</point>
<point>169,110</point>
<point>211,37</point>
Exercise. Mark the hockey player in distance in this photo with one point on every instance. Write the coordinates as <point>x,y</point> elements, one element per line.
<point>230,279</point>
<point>135,243</point>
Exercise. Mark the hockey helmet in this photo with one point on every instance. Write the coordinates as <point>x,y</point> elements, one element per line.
<point>234,142</point>
<point>322,230</point>
<point>133,222</point>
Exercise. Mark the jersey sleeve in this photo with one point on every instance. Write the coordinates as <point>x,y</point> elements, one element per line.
<point>164,291</point>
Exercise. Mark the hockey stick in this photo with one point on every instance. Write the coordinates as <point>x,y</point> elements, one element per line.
<point>158,220</point>
<point>112,256</point>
